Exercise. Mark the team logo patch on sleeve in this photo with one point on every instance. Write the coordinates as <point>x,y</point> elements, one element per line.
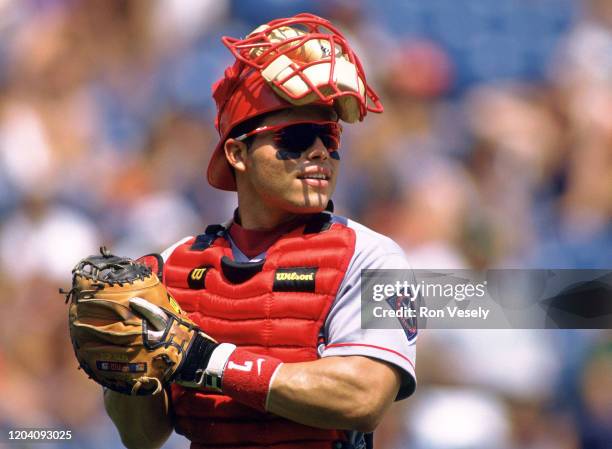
<point>300,279</point>
<point>409,324</point>
<point>196,280</point>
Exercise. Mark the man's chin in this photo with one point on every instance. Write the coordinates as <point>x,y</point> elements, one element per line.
<point>309,207</point>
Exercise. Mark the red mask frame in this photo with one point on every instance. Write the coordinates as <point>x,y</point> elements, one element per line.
<point>313,28</point>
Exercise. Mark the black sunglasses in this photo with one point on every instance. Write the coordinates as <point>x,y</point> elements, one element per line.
<point>299,136</point>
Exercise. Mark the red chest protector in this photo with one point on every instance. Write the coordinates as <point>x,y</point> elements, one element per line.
<point>276,308</point>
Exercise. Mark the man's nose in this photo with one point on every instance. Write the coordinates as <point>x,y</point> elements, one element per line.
<point>318,150</point>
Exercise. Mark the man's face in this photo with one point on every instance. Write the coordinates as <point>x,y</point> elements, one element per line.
<point>271,179</point>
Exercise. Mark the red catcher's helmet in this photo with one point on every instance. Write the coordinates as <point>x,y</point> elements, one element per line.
<point>285,63</point>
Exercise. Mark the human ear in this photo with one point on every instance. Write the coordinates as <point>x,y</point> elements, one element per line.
<point>236,153</point>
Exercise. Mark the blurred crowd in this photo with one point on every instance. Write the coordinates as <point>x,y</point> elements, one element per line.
<point>495,150</point>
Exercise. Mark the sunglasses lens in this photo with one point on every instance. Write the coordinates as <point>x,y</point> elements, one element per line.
<point>331,140</point>
<point>298,137</point>
<point>301,136</point>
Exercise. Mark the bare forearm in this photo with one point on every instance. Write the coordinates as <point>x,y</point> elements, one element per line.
<point>349,393</point>
<point>143,422</point>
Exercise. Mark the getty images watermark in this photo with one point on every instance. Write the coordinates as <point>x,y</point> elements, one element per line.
<point>493,299</point>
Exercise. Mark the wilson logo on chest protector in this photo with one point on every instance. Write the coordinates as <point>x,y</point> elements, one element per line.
<point>196,280</point>
<point>294,280</point>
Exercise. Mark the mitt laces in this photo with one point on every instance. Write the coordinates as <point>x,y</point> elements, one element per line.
<point>107,270</point>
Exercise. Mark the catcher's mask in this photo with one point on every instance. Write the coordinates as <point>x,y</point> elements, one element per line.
<point>285,63</point>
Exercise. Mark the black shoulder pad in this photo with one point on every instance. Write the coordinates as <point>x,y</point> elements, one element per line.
<point>203,241</point>
<point>318,223</point>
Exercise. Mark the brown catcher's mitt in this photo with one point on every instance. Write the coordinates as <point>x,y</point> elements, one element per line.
<point>127,332</point>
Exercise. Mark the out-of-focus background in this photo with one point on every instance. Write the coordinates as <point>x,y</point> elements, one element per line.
<point>495,150</point>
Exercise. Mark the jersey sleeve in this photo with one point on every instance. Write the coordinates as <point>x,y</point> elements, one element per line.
<point>343,334</point>
<point>165,254</point>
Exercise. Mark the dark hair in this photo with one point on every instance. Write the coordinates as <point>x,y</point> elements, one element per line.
<point>243,128</point>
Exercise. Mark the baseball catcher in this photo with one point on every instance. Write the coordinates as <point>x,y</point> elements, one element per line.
<point>266,348</point>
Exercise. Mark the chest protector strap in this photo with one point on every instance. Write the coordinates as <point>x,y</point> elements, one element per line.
<point>276,307</point>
